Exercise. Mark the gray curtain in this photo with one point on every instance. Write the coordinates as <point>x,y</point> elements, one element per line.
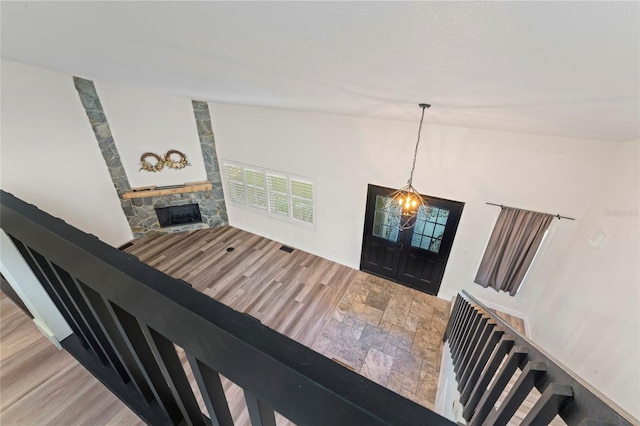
<point>512,246</point>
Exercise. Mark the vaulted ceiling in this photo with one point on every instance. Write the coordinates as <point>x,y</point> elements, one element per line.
<point>552,68</point>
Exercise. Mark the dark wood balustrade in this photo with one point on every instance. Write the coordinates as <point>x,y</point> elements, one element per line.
<point>127,318</point>
<point>487,353</point>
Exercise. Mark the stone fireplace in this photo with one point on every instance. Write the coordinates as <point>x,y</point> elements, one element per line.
<point>139,204</point>
<point>145,209</point>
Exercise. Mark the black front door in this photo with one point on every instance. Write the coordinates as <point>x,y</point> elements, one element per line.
<point>415,257</point>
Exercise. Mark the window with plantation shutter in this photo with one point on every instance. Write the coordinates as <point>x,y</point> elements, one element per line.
<point>301,200</point>
<point>235,182</point>
<point>256,188</point>
<point>278,194</point>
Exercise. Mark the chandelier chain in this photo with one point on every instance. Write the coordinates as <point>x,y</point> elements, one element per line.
<point>415,153</point>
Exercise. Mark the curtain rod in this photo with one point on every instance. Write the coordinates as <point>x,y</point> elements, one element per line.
<point>556,215</point>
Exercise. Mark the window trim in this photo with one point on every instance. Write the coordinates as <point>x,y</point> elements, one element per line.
<point>268,197</point>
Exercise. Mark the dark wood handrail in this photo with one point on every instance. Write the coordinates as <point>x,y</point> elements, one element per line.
<point>127,316</point>
<point>480,341</point>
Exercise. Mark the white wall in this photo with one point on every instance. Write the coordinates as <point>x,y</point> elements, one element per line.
<point>50,156</point>
<point>143,121</point>
<point>343,154</point>
<point>589,313</point>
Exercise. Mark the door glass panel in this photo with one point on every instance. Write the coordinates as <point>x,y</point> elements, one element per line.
<point>429,228</point>
<point>433,213</point>
<point>378,217</point>
<point>443,215</point>
<point>393,235</point>
<point>426,243</point>
<point>385,223</point>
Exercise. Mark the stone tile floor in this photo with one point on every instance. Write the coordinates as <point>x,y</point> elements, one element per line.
<point>389,333</point>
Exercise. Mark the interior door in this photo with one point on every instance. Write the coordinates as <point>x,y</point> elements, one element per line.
<point>415,257</point>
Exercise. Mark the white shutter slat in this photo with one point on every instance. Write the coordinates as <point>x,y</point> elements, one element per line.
<point>278,194</point>
<point>256,188</point>
<point>235,183</point>
<point>301,200</point>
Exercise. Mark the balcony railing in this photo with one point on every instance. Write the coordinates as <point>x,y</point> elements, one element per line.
<point>127,319</point>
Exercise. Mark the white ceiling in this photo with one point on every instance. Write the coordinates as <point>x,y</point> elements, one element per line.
<point>554,68</point>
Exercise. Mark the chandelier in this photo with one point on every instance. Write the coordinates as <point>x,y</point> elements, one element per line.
<point>405,202</point>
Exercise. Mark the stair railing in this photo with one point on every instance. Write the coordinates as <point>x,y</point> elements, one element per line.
<point>487,353</point>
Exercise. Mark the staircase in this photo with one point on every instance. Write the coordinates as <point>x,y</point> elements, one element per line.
<point>503,378</point>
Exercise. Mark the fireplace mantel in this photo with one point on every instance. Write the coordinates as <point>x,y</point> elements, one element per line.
<point>156,191</point>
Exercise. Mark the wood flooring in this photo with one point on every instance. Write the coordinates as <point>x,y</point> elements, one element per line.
<point>293,293</point>
<point>297,294</point>
<point>41,385</point>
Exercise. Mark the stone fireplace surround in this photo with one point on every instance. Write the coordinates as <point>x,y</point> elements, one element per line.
<point>139,207</point>
<point>143,220</point>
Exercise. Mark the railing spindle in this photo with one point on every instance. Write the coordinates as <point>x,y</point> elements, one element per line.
<point>68,304</point>
<point>518,393</point>
<point>450,324</point>
<point>500,381</point>
<point>108,324</point>
<point>35,268</point>
<point>503,348</point>
<point>87,315</point>
<point>549,405</point>
<point>460,323</point>
<point>466,338</point>
<point>464,360</point>
<point>212,392</point>
<point>488,349</point>
<point>169,362</point>
<point>475,354</point>
<point>259,412</point>
<point>137,343</point>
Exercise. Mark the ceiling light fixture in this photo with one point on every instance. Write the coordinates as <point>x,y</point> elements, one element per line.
<point>406,201</point>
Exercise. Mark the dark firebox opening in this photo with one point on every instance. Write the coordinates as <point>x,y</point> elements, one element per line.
<point>178,215</point>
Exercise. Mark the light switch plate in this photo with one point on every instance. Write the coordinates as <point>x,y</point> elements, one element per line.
<point>597,237</point>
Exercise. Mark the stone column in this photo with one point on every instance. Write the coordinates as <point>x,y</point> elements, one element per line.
<point>140,212</point>
<point>98,119</point>
<point>212,167</point>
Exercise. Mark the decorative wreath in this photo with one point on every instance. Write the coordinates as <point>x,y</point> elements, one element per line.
<point>173,159</point>
<point>169,161</point>
<point>151,166</point>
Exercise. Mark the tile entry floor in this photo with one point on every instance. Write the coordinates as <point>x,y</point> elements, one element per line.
<point>389,333</point>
